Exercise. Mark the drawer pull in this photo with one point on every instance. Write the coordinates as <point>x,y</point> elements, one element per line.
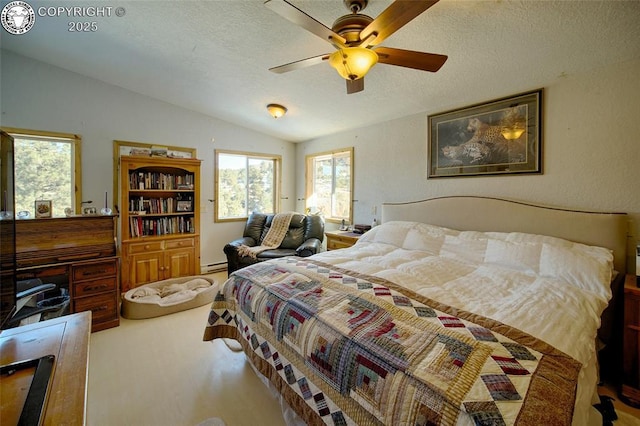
<point>147,247</point>
<point>633,327</point>
<point>99,308</point>
<point>96,287</point>
<point>91,273</point>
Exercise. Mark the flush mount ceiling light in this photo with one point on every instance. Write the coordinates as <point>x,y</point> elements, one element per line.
<point>276,110</point>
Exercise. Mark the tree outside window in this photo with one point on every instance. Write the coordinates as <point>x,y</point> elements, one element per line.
<point>245,183</point>
<point>329,185</point>
<point>46,168</point>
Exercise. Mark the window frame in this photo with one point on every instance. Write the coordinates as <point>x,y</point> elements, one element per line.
<point>277,159</point>
<point>309,178</point>
<point>74,139</point>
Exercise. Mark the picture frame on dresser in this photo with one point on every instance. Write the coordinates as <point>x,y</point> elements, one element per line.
<point>498,137</point>
<point>43,208</point>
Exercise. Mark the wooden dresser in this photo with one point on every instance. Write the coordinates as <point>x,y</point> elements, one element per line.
<point>630,391</point>
<point>78,254</point>
<point>67,339</point>
<point>341,239</point>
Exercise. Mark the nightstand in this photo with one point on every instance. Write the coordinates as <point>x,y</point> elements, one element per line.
<point>341,239</point>
<point>630,391</point>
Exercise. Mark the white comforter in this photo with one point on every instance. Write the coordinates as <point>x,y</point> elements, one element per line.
<point>550,288</point>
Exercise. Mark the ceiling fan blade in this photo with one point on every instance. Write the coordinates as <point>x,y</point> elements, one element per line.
<point>394,17</point>
<point>355,86</point>
<point>303,63</point>
<point>298,17</point>
<point>410,59</point>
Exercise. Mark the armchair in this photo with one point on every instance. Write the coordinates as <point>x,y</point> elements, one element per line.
<point>304,238</point>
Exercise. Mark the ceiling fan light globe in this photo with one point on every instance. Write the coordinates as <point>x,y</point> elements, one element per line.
<point>353,63</point>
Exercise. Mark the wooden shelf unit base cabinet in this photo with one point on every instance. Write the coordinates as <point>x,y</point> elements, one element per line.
<point>156,260</point>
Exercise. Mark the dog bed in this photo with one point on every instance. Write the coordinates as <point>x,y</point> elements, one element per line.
<point>168,296</point>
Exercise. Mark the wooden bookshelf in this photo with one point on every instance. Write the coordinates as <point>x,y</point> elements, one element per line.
<point>160,218</point>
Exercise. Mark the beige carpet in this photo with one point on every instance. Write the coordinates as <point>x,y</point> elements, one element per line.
<point>159,372</point>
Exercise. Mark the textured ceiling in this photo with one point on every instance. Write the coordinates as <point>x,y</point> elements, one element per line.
<point>213,56</point>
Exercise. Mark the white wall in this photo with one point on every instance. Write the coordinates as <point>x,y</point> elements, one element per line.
<point>591,143</point>
<point>591,151</point>
<point>38,96</point>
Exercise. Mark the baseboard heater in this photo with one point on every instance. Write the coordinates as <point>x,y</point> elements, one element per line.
<point>213,267</point>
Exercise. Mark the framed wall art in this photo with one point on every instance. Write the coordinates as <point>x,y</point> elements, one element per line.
<point>499,137</point>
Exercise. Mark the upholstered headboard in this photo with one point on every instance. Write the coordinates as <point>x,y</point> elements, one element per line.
<point>468,213</point>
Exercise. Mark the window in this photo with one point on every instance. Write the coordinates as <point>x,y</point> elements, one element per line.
<point>47,167</point>
<point>329,185</point>
<point>246,183</point>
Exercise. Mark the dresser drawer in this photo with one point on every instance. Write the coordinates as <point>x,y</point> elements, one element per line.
<point>86,288</point>
<point>333,244</point>
<point>187,242</point>
<point>338,240</point>
<point>145,247</point>
<point>89,271</point>
<point>103,307</point>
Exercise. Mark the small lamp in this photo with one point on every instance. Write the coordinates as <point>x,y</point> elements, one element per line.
<point>276,110</point>
<point>352,63</point>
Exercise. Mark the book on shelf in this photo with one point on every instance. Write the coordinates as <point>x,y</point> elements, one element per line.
<point>180,204</point>
<point>142,227</point>
<point>156,180</point>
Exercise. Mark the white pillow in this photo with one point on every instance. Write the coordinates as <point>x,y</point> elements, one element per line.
<point>587,267</point>
<point>470,250</point>
<point>425,238</point>
<point>389,233</point>
<point>523,257</point>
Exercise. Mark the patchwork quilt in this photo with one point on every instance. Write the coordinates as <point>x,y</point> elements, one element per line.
<point>346,348</point>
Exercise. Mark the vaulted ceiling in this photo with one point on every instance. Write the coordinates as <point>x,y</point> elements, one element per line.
<point>213,56</point>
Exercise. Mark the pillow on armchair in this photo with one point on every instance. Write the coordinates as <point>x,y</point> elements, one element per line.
<point>303,238</point>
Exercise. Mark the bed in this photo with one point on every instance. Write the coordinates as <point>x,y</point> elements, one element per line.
<point>455,310</point>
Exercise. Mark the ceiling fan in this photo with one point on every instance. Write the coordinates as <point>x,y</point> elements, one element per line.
<point>357,37</point>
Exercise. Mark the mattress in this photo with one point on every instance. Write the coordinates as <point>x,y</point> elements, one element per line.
<point>544,290</point>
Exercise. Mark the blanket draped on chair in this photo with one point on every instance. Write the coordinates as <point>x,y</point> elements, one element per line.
<point>274,237</point>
